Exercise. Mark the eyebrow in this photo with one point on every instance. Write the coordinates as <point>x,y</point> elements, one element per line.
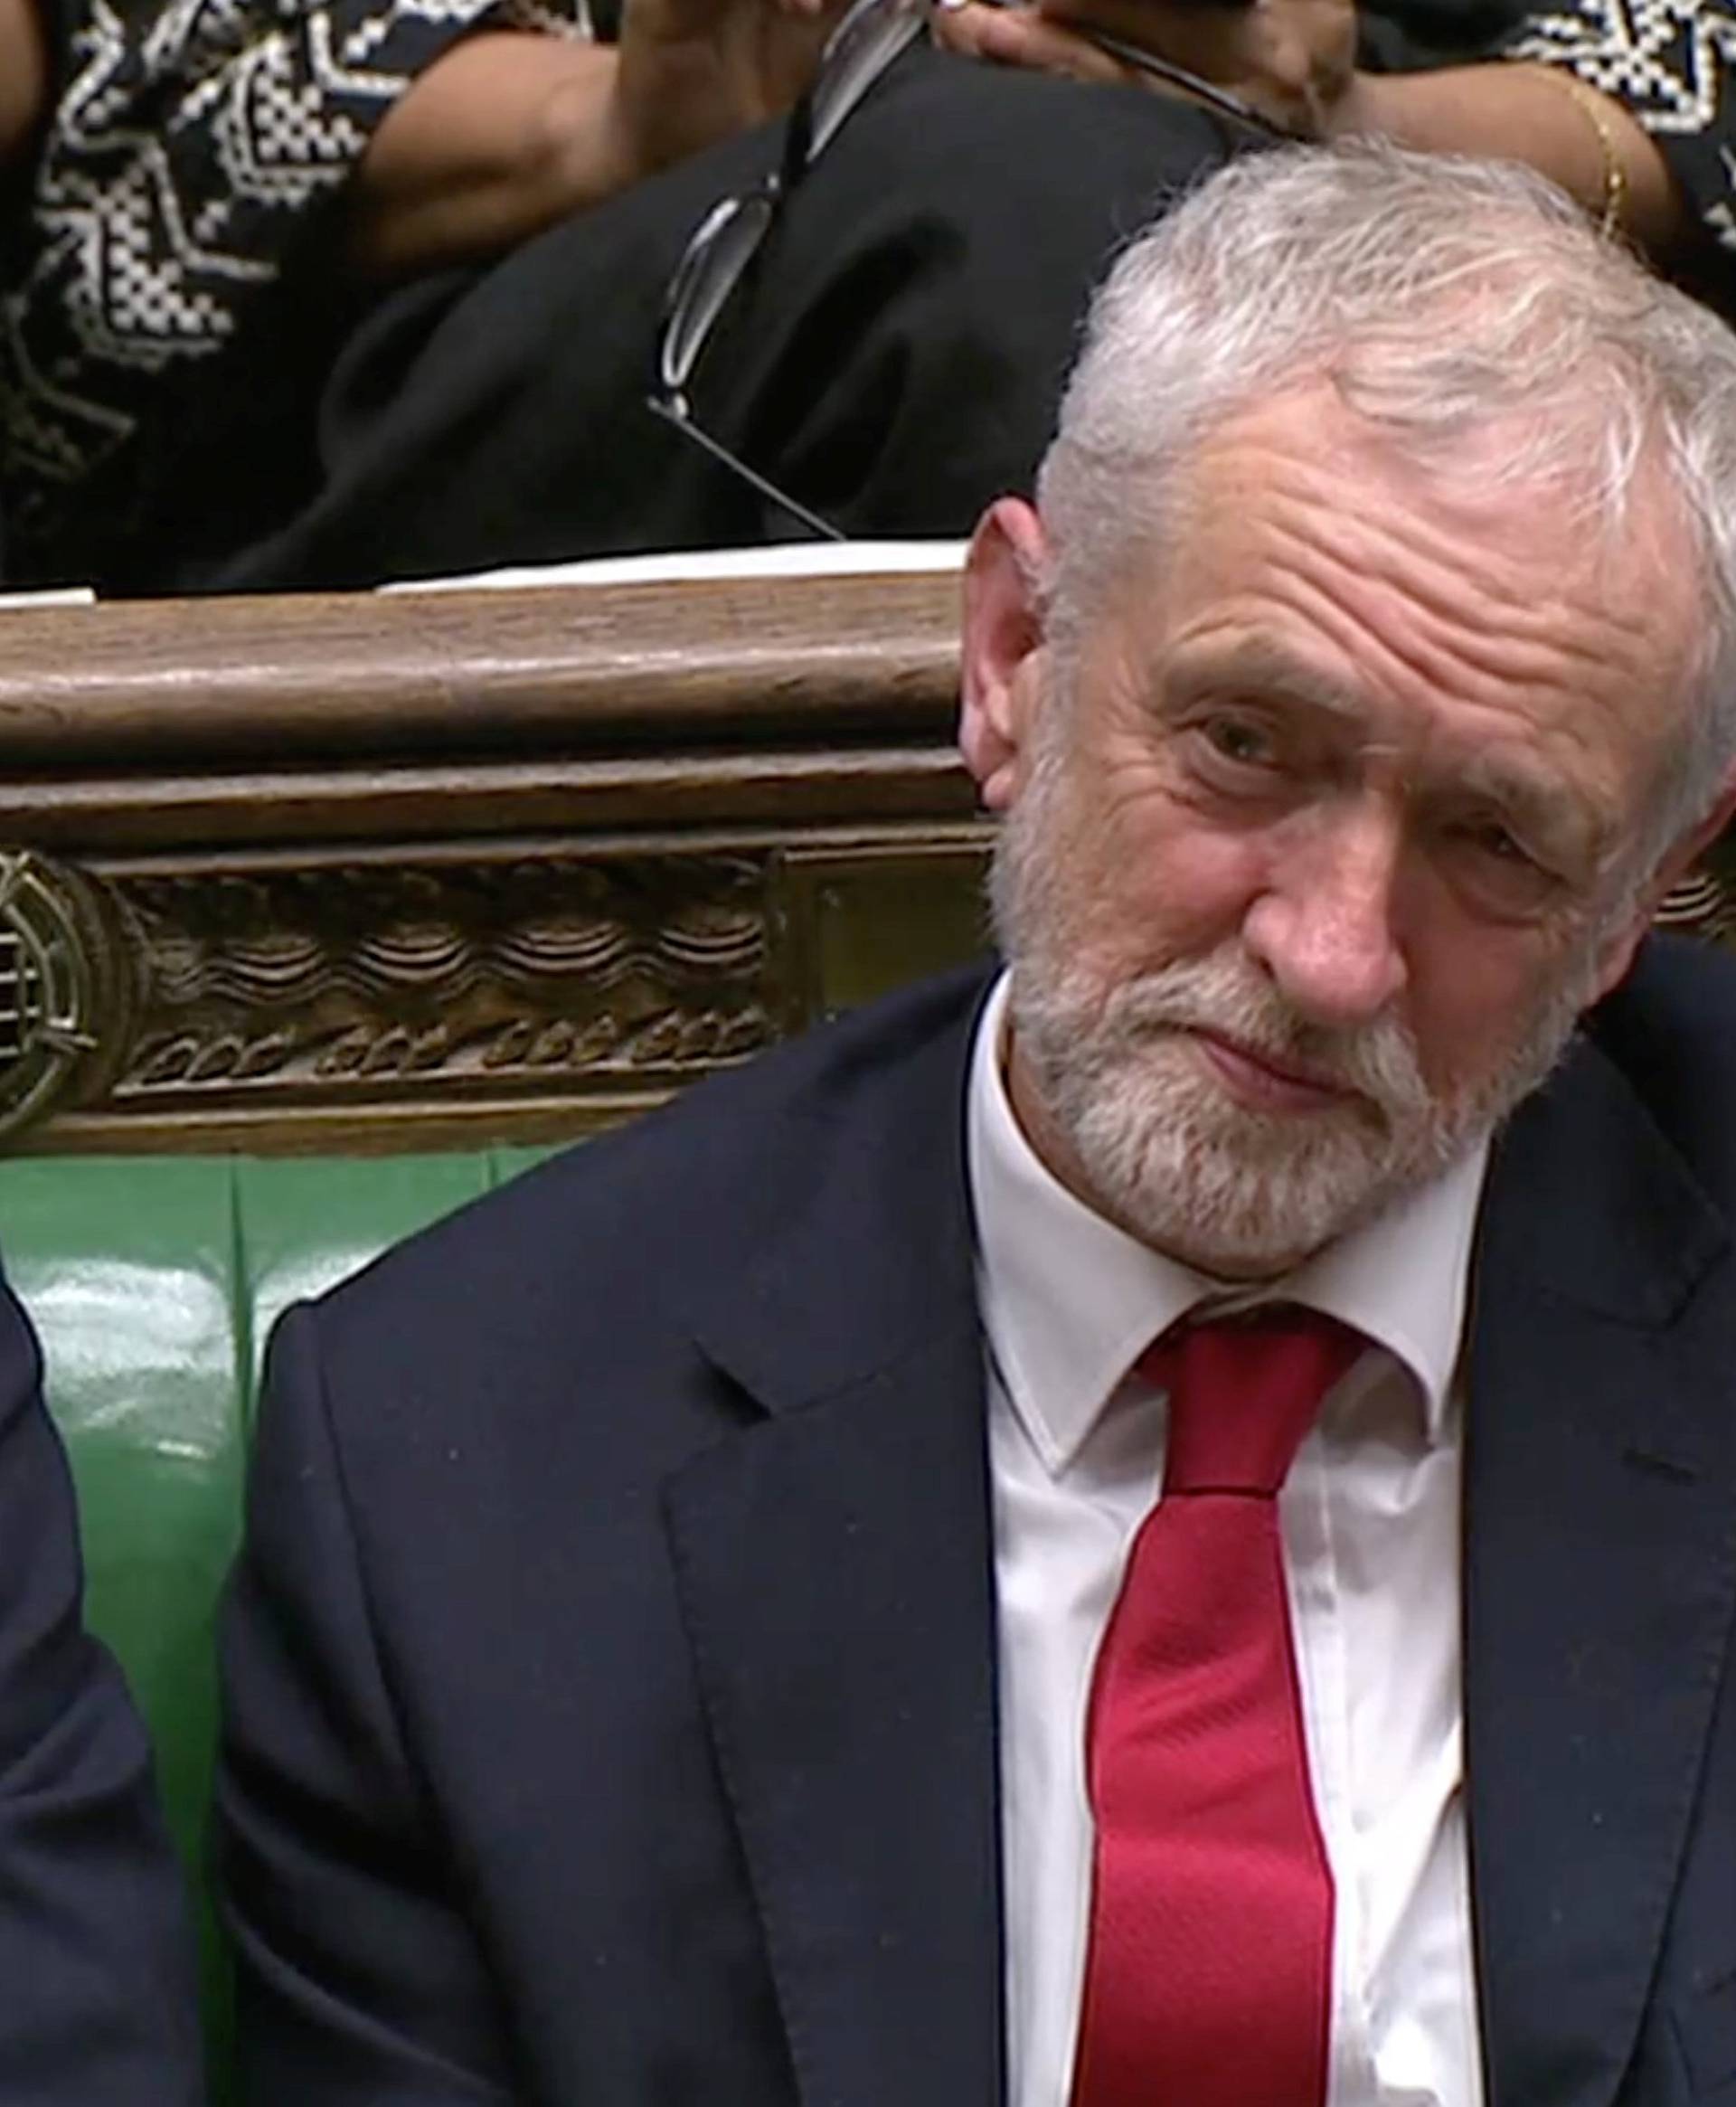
<point>1269,669</point>
<point>1538,806</point>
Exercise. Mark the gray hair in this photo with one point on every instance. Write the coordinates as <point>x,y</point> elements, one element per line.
<point>1439,296</point>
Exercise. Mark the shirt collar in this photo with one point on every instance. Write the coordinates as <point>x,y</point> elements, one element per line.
<point>1070,1301</point>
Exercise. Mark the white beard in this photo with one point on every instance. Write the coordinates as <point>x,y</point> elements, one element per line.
<point>1163,1147</point>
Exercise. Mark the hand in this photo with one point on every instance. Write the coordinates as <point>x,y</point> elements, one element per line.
<point>510,130</point>
<point>692,72</point>
<point>23,78</point>
<point>1292,60</point>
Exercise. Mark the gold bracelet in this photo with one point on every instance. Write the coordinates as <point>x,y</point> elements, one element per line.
<point>1590,105</point>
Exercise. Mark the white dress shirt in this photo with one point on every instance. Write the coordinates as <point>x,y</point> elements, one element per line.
<point>1370,1522</point>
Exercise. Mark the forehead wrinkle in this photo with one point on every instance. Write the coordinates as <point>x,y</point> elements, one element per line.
<point>1306,495</point>
<point>1449,652</point>
<point>1499,618</point>
<point>1518,604</point>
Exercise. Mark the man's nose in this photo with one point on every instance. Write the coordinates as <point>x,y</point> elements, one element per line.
<point>1324,928</point>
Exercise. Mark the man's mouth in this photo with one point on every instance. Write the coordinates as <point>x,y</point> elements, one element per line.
<point>1266,1082</point>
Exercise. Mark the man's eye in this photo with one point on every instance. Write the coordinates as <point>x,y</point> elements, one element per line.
<point>1497,871</point>
<point>1499,844</point>
<point>1240,740</point>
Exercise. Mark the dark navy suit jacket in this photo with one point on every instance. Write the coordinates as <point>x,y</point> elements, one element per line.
<point>97,2005</point>
<point>612,1662</point>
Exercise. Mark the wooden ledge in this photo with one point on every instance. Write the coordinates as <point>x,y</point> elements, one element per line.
<point>351,678</point>
<point>393,871</point>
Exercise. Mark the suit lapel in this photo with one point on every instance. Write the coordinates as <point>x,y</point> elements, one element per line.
<point>1598,1583</point>
<point>834,1568</point>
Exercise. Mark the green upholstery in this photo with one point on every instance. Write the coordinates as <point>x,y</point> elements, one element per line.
<point>154,1282</point>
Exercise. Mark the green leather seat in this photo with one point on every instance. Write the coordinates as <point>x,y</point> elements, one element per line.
<point>154,1282</point>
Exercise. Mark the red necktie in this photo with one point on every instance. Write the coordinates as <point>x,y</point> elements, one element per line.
<point>1208,1982</point>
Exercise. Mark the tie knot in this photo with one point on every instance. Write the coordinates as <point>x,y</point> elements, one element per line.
<point>1243,1391</point>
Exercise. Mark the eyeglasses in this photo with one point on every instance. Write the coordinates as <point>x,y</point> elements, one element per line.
<point>1221,100</point>
<point>871,35</point>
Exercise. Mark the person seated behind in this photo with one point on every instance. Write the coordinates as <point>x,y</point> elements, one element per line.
<point>180,187</point>
<point>1630,119</point>
<point>893,356</point>
<point>210,199</point>
<point>95,1950</point>
<point>675,1650</point>
<point>217,198</point>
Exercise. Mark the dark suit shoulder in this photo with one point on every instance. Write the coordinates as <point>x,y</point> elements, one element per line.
<point>1614,1185</point>
<point>1670,1030</point>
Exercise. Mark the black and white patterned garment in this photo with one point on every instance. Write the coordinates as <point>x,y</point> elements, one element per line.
<point>192,144</point>
<point>1669,62</point>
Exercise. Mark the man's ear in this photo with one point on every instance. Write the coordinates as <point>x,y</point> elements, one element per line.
<point>1622,943</point>
<point>1003,632</point>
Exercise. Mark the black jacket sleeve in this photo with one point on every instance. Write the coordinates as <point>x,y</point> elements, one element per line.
<point>100,2008</point>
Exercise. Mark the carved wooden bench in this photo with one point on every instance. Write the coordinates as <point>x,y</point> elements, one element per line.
<point>346,872</point>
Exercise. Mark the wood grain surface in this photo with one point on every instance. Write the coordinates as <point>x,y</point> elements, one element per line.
<point>354,676</point>
<point>402,871</point>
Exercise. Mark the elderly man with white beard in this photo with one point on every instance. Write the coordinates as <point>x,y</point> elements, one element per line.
<point>1153,1525</point>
